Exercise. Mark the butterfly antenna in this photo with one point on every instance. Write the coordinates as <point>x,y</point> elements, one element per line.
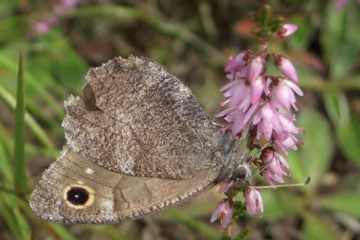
<point>306,182</point>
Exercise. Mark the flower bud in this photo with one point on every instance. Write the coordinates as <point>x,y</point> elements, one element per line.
<point>256,68</point>
<point>253,201</point>
<point>287,29</point>
<point>287,68</point>
<point>224,213</point>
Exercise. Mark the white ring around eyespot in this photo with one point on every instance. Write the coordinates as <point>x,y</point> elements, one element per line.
<point>88,203</point>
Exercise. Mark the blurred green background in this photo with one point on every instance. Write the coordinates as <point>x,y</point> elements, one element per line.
<point>193,39</point>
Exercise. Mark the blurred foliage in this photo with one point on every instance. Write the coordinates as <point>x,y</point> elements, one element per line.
<point>193,40</point>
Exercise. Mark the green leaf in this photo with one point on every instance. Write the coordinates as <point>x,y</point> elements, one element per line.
<point>61,60</point>
<point>13,217</point>
<point>279,204</point>
<point>349,139</point>
<point>340,39</point>
<point>19,148</point>
<point>61,232</point>
<point>5,167</point>
<point>242,236</point>
<point>300,39</point>
<point>346,202</point>
<point>315,155</point>
<point>317,228</point>
<point>22,226</point>
<point>337,107</point>
<point>29,120</point>
<point>202,228</point>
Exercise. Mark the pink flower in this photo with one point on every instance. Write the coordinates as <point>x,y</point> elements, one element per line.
<point>236,63</point>
<point>257,89</point>
<point>44,26</point>
<point>340,4</point>
<point>275,166</point>
<point>253,201</point>
<point>285,141</point>
<point>287,29</point>
<point>283,95</point>
<point>266,121</point>
<point>224,213</point>
<point>41,27</point>
<point>287,68</point>
<point>256,68</point>
<point>69,3</point>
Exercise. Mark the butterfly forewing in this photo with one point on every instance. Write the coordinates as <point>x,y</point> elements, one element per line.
<point>142,121</point>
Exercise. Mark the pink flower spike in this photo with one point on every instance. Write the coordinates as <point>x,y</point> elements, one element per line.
<point>224,213</point>
<point>287,29</point>
<point>253,201</point>
<point>256,68</point>
<point>287,68</point>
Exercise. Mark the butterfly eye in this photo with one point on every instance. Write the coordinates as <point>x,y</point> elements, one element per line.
<point>79,196</point>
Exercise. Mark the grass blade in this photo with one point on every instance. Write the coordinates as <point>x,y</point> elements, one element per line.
<point>19,148</point>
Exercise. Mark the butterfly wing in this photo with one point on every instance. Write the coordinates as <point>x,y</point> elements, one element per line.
<point>137,119</point>
<point>76,190</point>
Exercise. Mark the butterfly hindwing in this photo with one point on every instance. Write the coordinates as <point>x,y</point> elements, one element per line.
<point>75,190</point>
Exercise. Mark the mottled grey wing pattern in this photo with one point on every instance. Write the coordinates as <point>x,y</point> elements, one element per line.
<point>136,118</point>
<point>137,141</point>
<point>112,196</point>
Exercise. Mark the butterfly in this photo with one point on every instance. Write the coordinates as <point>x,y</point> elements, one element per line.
<point>137,141</point>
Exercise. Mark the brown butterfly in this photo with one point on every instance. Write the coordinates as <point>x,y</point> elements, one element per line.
<point>137,141</point>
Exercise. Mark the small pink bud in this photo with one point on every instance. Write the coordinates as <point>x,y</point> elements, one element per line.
<point>224,213</point>
<point>256,68</point>
<point>253,201</point>
<point>287,68</point>
<point>287,29</point>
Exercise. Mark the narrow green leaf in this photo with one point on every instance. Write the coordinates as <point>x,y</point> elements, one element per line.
<point>14,218</point>
<point>19,148</point>
<point>29,120</point>
<point>5,167</point>
<point>347,202</point>
<point>61,232</point>
<point>8,218</point>
<point>22,225</point>
<point>317,228</point>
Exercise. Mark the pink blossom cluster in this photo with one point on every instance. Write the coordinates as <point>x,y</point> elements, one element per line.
<point>61,8</point>
<point>261,107</point>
